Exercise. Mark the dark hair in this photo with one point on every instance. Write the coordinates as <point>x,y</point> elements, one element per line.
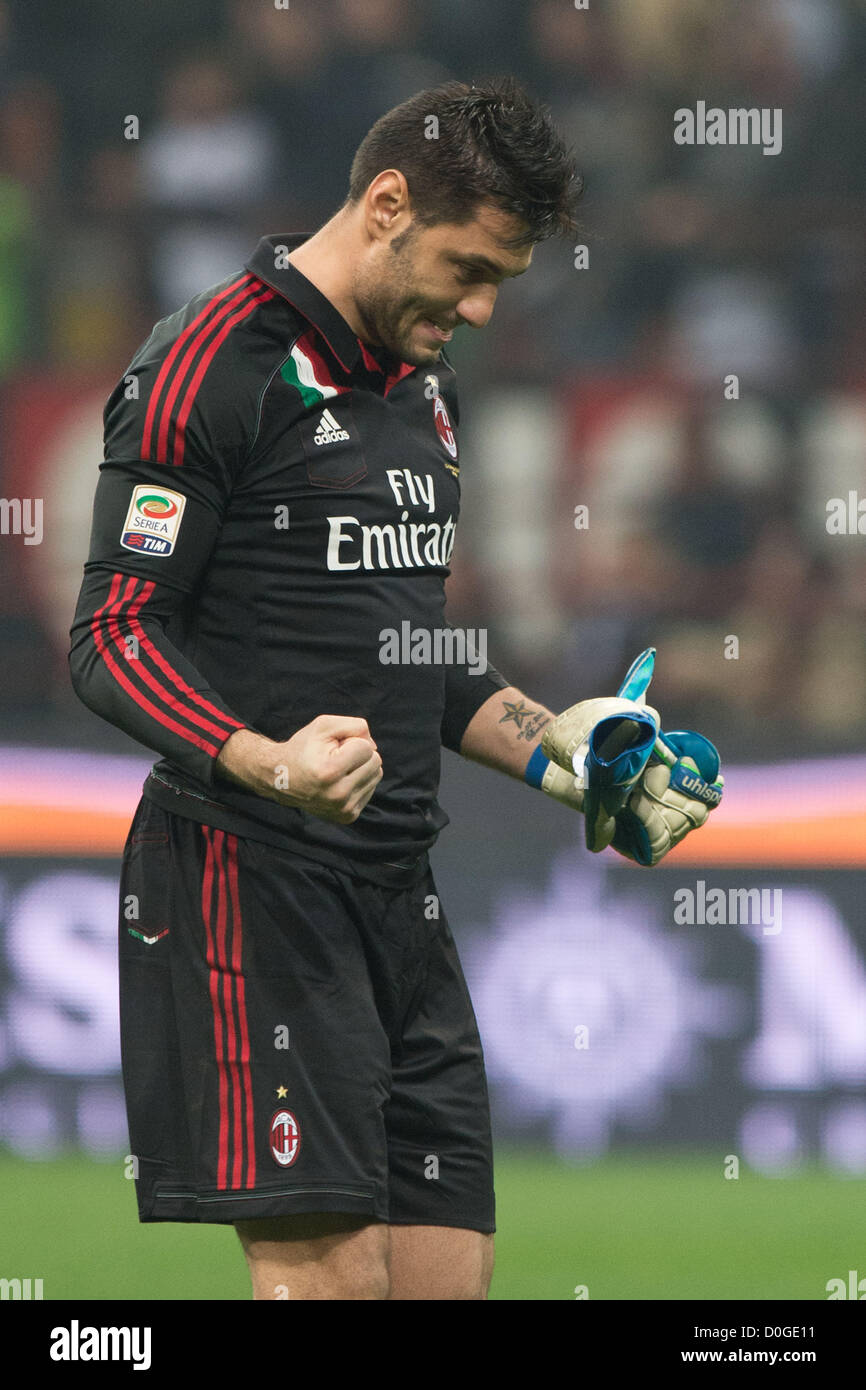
<point>493,144</point>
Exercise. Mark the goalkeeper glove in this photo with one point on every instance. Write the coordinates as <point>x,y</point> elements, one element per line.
<point>613,737</point>
<point>674,795</point>
<point>639,790</point>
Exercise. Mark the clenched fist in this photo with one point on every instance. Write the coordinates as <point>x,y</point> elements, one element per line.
<point>330,768</point>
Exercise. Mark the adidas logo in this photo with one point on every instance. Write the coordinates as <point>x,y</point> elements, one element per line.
<point>329,430</point>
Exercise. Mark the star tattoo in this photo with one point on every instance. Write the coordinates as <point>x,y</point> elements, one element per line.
<point>516,713</point>
<point>529,722</point>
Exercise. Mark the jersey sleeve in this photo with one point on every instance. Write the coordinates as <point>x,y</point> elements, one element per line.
<point>467,688</point>
<point>174,447</point>
<point>125,669</point>
<point>173,450</point>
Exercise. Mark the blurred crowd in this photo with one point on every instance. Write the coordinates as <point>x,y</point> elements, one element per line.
<point>144,149</point>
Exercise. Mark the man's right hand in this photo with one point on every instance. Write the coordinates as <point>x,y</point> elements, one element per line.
<point>330,768</point>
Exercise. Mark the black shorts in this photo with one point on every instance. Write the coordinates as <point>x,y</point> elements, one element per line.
<point>294,1039</point>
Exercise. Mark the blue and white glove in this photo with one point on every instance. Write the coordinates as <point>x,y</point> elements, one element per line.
<point>591,757</point>
<point>641,791</point>
<point>675,793</point>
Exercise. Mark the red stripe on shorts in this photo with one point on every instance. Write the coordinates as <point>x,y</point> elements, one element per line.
<point>207,894</point>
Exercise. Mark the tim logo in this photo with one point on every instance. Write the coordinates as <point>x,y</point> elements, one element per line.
<point>443,426</point>
<point>285,1138</point>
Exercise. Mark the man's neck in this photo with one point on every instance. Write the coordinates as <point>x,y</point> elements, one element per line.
<point>326,260</point>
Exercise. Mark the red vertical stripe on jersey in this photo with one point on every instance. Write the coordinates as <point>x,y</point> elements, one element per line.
<point>185,363</point>
<point>240,986</point>
<point>144,675</point>
<point>207,357</point>
<point>207,892</point>
<point>170,359</point>
<point>168,670</point>
<point>113,605</point>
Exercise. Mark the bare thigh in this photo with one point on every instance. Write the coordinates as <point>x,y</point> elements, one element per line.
<point>336,1256</point>
<point>326,1255</point>
<point>439,1262</point>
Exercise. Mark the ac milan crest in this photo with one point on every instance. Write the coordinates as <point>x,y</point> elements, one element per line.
<point>285,1138</point>
<point>443,426</point>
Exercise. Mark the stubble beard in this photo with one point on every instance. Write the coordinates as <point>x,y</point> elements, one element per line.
<point>384,308</point>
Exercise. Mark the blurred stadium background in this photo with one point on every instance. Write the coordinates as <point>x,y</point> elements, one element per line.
<point>601,388</point>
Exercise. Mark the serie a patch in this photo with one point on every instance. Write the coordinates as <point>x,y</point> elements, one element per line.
<point>153,520</point>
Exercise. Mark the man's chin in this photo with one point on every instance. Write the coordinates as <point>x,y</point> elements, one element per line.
<point>416,348</point>
<point>421,357</point>
<point>413,353</point>
<point>421,351</point>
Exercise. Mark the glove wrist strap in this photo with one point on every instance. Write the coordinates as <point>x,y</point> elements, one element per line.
<point>536,768</point>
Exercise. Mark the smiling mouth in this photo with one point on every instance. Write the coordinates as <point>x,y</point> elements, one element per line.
<point>444,335</point>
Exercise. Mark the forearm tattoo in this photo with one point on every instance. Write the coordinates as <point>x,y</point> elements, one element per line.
<point>530,722</point>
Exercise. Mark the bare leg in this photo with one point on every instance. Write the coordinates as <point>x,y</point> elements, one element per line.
<point>440,1262</point>
<point>325,1255</point>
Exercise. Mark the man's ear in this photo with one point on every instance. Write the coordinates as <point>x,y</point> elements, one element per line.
<point>386,202</point>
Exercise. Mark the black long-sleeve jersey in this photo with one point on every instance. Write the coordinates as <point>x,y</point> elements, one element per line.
<point>274,516</point>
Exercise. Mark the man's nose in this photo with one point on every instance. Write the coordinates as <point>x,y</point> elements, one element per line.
<point>476,306</point>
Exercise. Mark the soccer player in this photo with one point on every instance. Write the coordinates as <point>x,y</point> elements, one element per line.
<point>280,492</point>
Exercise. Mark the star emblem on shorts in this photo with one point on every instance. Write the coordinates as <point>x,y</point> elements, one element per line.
<point>281,1092</point>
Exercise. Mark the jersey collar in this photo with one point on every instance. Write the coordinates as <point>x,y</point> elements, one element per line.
<point>272,267</point>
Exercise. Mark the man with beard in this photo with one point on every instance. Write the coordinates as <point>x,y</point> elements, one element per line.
<point>280,489</point>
